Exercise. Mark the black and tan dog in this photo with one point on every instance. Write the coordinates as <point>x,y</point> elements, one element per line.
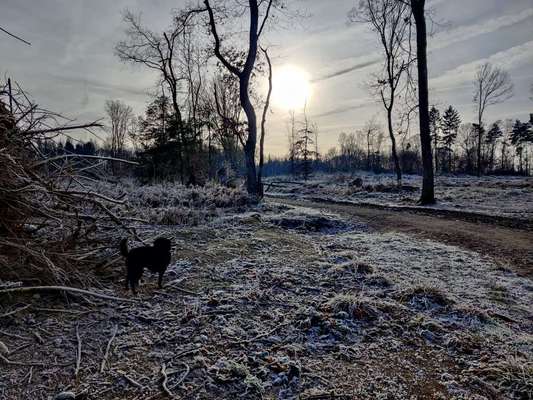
<point>156,258</point>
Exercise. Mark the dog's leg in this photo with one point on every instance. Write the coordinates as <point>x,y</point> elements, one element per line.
<point>160,280</point>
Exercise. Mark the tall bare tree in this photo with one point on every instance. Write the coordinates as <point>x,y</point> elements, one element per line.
<point>370,130</point>
<point>244,75</point>
<point>174,55</point>
<point>121,120</point>
<point>493,85</point>
<point>120,117</point>
<point>266,107</point>
<point>428,181</point>
<point>390,19</point>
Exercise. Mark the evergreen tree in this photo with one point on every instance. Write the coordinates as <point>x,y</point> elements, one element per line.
<point>304,147</point>
<point>69,147</point>
<point>495,132</point>
<point>479,131</point>
<point>522,135</point>
<point>451,121</point>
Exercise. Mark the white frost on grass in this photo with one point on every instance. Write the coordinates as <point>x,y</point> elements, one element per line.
<point>510,196</point>
<point>465,277</point>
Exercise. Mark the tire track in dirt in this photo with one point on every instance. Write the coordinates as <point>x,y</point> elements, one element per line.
<point>510,245</point>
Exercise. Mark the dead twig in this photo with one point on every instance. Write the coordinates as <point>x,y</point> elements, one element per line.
<point>131,380</point>
<point>67,156</point>
<point>78,352</point>
<point>66,289</point>
<point>14,335</point>
<point>108,347</point>
<point>262,335</point>
<point>164,382</point>
<point>18,363</point>
<point>15,311</point>
<point>183,376</point>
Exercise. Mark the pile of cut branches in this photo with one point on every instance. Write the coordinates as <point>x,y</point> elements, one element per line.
<point>49,216</point>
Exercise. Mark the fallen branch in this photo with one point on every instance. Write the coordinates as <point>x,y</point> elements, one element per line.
<point>63,156</point>
<point>66,289</point>
<point>262,335</point>
<point>24,364</point>
<point>78,352</point>
<point>63,128</point>
<point>15,311</point>
<point>106,355</point>
<point>165,381</point>
<point>131,380</point>
<point>183,376</point>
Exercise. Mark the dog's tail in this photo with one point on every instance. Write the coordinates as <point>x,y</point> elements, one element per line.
<point>124,247</point>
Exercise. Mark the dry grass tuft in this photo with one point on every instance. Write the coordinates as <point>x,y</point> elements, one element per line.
<point>426,297</point>
<point>357,307</point>
<point>514,375</point>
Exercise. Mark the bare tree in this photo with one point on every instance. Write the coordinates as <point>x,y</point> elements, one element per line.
<point>154,51</point>
<point>492,86</point>
<point>370,130</point>
<point>390,19</point>
<point>224,110</point>
<point>121,119</point>
<point>244,74</point>
<point>174,55</point>
<point>263,125</point>
<point>428,181</point>
<point>292,141</point>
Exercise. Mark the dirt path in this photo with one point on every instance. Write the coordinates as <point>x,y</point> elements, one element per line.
<point>506,244</point>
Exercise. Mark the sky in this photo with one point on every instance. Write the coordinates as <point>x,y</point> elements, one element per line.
<point>71,68</point>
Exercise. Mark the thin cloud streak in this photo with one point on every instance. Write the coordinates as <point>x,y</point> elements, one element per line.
<point>346,70</point>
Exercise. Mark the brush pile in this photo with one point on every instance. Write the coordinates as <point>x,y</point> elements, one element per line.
<point>48,216</point>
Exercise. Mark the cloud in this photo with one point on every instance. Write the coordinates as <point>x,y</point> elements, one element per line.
<point>463,33</point>
<point>346,70</point>
<point>338,110</point>
<point>512,58</point>
<point>100,86</point>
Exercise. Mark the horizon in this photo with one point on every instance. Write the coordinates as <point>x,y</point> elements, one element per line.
<point>80,37</point>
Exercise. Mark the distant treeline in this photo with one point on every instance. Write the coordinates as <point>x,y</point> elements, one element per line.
<point>506,149</point>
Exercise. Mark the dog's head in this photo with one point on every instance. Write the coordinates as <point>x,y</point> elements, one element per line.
<point>163,244</point>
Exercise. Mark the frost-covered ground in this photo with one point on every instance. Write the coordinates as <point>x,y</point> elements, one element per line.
<point>508,196</point>
<point>281,302</point>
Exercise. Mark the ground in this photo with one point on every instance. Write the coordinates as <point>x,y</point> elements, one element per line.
<point>508,196</point>
<point>293,298</point>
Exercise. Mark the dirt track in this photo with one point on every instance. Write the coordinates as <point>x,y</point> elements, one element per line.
<point>509,245</point>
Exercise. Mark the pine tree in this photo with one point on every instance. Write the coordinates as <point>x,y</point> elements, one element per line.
<point>522,135</point>
<point>435,122</point>
<point>304,147</point>
<point>451,121</point>
<point>494,133</point>
<point>69,147</point>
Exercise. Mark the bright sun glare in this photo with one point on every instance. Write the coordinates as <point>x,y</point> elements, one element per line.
<point>291,87</point>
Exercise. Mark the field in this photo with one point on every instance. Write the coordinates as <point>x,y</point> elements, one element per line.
<point>296,298</point>
<point>490,195</point>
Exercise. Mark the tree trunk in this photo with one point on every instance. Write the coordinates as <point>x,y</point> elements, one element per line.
<point>479,137</point>
<point>251,141</point>
<point>435,146</point>
<point>397,167</point>
<point>428,184</point>
<point>244,83</point>
<point>368,152</point>
<point>263,128</point>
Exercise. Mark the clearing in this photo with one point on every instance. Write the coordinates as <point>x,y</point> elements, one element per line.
<point>292,300</point>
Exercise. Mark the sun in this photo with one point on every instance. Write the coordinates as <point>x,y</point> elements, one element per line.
<point>291,87</point>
